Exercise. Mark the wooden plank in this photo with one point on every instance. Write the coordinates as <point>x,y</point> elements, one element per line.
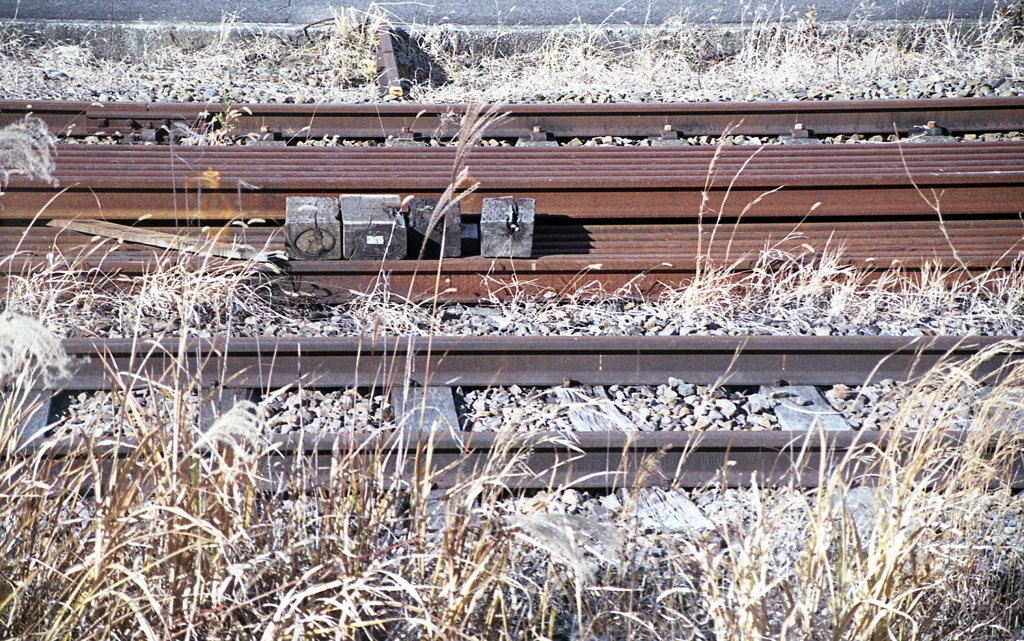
<point>506,227</point>
<point>312,229</point>
<point>220,402</point>
<point>670,511</point>
<point>372,227</point>
<point>164,240</point>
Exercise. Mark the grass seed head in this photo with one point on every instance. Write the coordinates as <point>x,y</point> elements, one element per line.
<point>26,149</point>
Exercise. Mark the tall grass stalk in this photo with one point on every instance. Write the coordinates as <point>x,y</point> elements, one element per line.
<point>185,535</point>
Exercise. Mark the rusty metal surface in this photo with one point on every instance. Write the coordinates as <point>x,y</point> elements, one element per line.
<point>211,183</point>
<point>388,79</point>
<point>504,360</point>
<point>607,460</point>
<point>870,117</point>
<point>586,460</point>
<point>677,241</point>
<point>568,257</point>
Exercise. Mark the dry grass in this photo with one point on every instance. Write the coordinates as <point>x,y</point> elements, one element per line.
<point>25,149</point>
<point>178,296</point>
<point>768,57</point>
<point>781,294</point>
<point>184,537</point>
<point>333,61</point>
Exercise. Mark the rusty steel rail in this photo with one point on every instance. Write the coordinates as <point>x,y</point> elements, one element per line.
<point>388,78</point>
<point>271,363</point>
<point>379,121</point>
<point>614,219</point>
<point>633,260</point>
<point>586,460</point>
<point>219,183</point>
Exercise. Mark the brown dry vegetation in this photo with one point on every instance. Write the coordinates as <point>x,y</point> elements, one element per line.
<point>768,57</point>
<point>184,538</point>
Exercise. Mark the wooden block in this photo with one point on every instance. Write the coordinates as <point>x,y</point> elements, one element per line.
<point>312,230</point>
<point>802,408</point>
<point>590,410</point>
<point>506,227</point>
<point>436,510</point>
<point>861,506</point>
<point>372,227</point>
<point>424,409</point>
<point>430,238</point>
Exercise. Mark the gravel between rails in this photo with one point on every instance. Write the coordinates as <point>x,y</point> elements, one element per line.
<point>678,406</point>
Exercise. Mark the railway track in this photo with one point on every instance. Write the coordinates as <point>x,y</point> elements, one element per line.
<point>642,217</point>
<point>245,368</point>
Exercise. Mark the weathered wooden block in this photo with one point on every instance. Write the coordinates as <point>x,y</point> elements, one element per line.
<point>443,239</point>
<point>506,227</point>
<point>372,227</point>
<point>311,228</point>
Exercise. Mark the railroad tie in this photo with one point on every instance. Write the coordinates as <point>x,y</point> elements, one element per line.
<point>33,412</point>
<point>669,512</point>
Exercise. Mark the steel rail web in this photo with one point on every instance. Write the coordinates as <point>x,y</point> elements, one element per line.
<point>589,460</point>
<point>865,117</point>
<point>585,460</point>
<point>271,363</point>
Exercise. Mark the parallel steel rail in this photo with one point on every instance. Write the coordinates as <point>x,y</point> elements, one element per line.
<point>270,363</point>
<point>379,121</point>
<point>594,460</point>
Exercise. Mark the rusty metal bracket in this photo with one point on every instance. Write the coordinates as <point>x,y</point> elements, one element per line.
<point>933,133</point>
<point>800,135</point>
<point>538,138</point>
<point>669,136</point>
<point>405,137</point>
<point>387,65</point>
